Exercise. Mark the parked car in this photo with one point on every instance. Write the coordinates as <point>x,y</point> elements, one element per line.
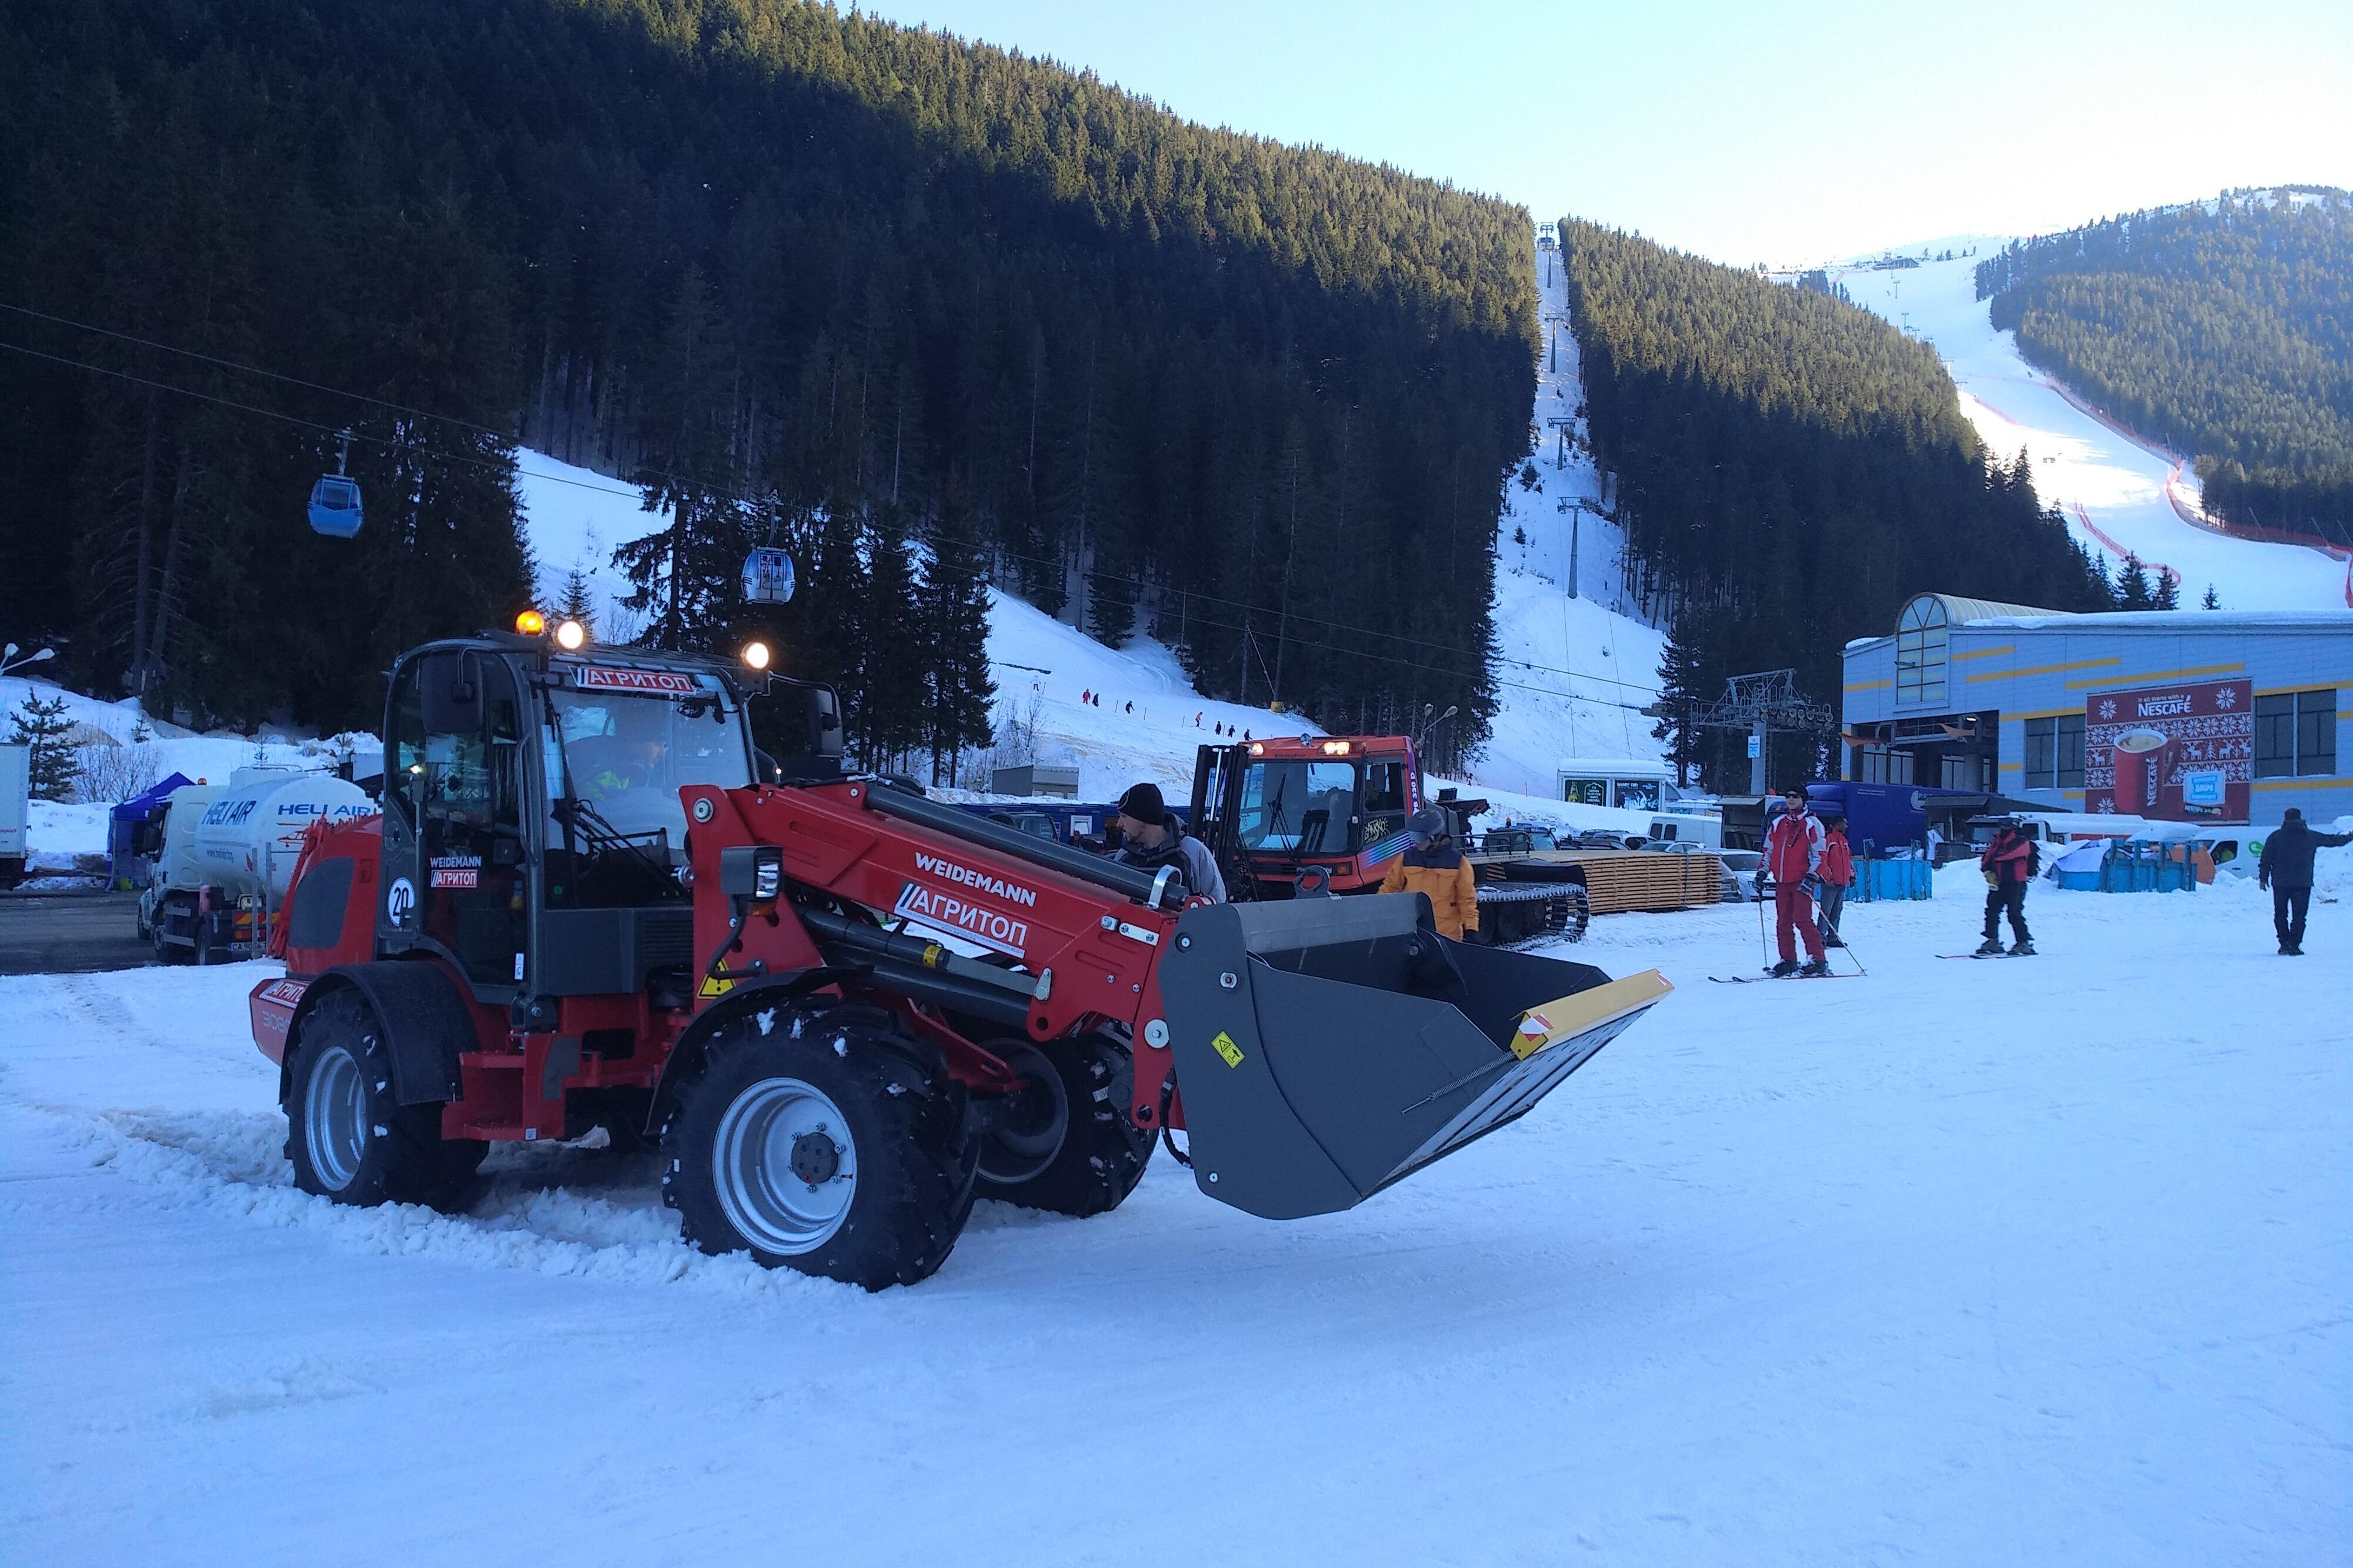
<point>1741,868</point>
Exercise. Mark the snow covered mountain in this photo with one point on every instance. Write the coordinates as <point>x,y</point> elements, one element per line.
<point>2117,493</point>
<point>1576,666</point>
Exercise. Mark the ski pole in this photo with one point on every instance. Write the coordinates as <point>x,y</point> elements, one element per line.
<point>1844,946</point>
<point>1764,954</point>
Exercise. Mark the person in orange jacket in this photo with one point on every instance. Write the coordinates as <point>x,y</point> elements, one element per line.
<point>1434,867</point>
<point>1837,876</point>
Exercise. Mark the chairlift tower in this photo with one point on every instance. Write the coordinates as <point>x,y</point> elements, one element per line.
<point>1760,703</point>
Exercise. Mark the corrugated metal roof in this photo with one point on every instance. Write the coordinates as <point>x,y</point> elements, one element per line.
<point>1959,611</point>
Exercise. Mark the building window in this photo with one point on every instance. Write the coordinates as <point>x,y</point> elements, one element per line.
<point>2316,733</point>
<point>2276,736</point>
<point>2296,734</point>
<point>1967,770</point>
<point>2042,754</point>
<point>1920,651</point>
<point>1884,765</point>
<point>2071,750</point>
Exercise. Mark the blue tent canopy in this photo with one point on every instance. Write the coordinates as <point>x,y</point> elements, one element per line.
<point>145,804</point>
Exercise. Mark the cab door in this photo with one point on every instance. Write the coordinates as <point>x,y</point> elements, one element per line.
<point>457,878</point>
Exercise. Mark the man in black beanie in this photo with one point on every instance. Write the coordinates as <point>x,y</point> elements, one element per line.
<point>1151,837</point>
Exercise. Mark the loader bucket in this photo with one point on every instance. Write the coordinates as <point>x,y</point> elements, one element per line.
<point>1326,1048</point>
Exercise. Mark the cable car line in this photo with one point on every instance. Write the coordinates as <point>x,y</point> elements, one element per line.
<point>637,494</point>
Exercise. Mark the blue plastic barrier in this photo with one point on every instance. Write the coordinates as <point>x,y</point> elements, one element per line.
<point>1876,881</point>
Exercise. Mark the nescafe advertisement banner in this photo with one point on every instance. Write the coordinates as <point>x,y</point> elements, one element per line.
<point>2179,754</point>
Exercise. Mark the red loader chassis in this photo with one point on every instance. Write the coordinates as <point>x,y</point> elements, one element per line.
<point>843,1010</point>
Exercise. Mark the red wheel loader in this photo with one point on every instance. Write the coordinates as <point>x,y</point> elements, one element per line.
<point>843,1010</point>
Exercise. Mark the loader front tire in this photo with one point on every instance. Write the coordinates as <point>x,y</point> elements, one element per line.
<point>348,1139</point>
<point>1100,1154</point>
<point>819,1146</point>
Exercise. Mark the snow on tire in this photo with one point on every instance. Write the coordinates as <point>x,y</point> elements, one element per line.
<point>1089,1156</point>
<point>820,1148</point>
<point>349,1140</point>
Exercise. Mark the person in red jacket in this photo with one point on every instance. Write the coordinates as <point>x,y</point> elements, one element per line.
<point>1793,854</point>
<point>2008,863</point>
<point>1837,876</point>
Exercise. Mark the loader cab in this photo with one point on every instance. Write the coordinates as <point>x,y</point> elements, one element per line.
<point>533,835</point>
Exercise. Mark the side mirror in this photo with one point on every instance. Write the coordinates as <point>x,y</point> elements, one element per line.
<point>810,723</point>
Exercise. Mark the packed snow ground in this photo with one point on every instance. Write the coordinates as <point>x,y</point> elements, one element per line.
<point>2112,488</point>
<point>2022,1261</point>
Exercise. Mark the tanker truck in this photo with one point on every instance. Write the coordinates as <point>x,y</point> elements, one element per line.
<point>223,855</point>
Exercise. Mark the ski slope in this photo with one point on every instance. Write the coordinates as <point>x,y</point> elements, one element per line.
<point>1576,669</point>
<point>2117,493</point>
<point>2032,1261</point>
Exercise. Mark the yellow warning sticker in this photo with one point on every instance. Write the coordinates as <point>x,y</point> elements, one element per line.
<point>1224,1046</point>
<point>714,986</point>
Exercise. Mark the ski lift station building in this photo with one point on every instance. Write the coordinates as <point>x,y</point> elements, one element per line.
<point>2188,715</point>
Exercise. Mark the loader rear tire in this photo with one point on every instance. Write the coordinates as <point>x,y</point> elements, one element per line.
<point>349,1140</point>
<point>821,1147</point>
<point>1100,1156</point>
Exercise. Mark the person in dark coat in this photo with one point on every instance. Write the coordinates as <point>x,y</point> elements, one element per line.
<point>1151,837</point>
<point>2285,868</point>
<point>2008,864</point>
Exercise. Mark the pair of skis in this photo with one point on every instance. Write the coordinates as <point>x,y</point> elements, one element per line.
<point>1753,979</point>
<point>1859,972</point>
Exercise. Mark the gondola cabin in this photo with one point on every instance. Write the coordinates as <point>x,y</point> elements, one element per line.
<point>335,506</point>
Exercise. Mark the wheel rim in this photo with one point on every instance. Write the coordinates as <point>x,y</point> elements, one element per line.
<point>785,1166</point>
<point>334,1117</point>
<point>1032,1125</point>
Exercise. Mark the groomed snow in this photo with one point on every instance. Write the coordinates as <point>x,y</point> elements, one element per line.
<point>2112,488</point>
<point>2025,1261</point>
<point>1575,670</point>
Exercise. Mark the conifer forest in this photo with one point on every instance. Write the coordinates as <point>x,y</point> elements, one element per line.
<point>2223,329</point>
<point>930,313</point>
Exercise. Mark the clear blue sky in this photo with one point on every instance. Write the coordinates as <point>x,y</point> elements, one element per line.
<point>1749,133</point>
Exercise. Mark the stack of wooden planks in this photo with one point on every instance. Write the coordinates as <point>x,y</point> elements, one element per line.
<point>1620,880</point>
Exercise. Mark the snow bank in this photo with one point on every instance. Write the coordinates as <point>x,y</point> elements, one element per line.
<point>54,834</point>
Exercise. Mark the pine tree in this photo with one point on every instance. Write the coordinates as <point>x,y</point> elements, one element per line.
<point>2132,584</point>
<point>42,725</point>
<point>577,602</point>
<point>2210,602</point>
<point>896,653</point>
<point>959,694</point>
<point>1686,688</point>
<point>2168,595</point>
